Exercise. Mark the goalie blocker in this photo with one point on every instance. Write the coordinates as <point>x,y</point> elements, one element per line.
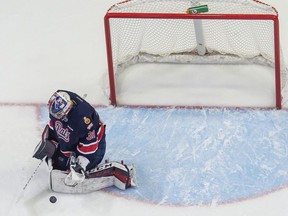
<point>45,147</point>
<point>103,176</point>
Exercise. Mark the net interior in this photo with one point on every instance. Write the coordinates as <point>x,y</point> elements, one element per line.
<point>231,41</point>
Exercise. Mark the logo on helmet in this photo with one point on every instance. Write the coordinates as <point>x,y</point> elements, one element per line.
<point>60,104</point>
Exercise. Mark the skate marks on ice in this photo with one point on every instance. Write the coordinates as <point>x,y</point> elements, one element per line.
<point>193,157</point>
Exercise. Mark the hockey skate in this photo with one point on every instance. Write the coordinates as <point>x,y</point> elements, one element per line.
<point>132,175</point>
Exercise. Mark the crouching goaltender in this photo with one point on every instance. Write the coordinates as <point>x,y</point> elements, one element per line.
<point>73,145</point>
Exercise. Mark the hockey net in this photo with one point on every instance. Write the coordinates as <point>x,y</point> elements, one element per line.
<point>180,32</point>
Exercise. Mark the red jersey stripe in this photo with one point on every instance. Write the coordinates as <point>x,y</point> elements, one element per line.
<point>88,149</point>
<point>67,153</point>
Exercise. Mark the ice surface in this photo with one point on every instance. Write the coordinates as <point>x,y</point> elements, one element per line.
<point>192,157</point>
<point>183,85</point>
<point>189,162</point>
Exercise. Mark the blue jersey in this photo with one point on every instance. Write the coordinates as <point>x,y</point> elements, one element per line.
<point>81,131</point>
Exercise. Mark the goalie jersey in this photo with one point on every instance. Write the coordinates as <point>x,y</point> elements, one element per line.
<point>81,131</point>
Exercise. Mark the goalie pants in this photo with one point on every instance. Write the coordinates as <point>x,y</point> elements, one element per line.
<point>61,162</point>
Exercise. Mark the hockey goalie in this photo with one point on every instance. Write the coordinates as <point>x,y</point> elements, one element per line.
<point>73,145</point>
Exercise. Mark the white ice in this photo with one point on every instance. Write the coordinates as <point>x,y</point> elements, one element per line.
<point>47,45</point>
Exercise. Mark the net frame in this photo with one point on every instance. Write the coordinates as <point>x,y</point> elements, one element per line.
<point>122,11</point>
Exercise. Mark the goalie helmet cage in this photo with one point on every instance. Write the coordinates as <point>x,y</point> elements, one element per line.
<point>230,31</point>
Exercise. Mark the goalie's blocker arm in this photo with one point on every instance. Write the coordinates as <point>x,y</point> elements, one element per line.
<point>45,147</point>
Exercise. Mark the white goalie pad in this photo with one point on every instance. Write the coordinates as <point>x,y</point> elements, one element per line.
<point>103,176</point>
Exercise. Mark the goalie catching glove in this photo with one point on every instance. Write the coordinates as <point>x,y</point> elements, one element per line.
<point>77,170</point>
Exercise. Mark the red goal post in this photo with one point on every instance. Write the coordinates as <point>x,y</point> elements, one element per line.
<point>126,25</point>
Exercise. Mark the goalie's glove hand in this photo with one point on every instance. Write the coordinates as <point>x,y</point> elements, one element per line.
<point>77,170</point>
<point>78,164</point>
<point>74,165</point>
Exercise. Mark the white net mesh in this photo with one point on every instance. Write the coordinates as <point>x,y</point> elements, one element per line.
<point>135,40</point>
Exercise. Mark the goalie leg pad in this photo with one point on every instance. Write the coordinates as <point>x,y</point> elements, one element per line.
<point>103,176</point>
<point>57,183</point>
<point>124,176</point>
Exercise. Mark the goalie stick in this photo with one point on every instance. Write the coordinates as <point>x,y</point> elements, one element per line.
<point>29,180</point>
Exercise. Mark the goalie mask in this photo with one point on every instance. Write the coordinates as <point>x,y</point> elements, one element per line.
<point>60,104</point>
